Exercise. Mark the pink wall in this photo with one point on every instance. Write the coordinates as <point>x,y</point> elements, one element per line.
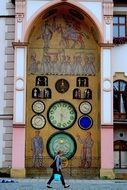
<point>18,148</point>
<point>107,153</point>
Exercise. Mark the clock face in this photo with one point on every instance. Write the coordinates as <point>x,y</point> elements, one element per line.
<point>85,122</point>
<point>62,115</point>
<point>85,107</point>
<point>38,121</point>
<point>38,106</point>
<point>64,142</point>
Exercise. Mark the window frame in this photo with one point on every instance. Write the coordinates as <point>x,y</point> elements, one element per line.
<point>119,24</point>
<point>118,115</point>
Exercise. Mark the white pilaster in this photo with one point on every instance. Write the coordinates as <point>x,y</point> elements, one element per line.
<point>106,87</point>
<point>20,85</point>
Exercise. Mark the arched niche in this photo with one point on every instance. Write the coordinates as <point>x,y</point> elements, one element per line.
<point>63,41</point>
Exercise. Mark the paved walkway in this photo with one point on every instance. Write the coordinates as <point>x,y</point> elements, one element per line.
<point>75,184</point>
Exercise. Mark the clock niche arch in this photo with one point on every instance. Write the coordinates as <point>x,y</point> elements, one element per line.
<point>62,115</point>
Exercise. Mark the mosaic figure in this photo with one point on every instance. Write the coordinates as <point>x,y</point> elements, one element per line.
<point>69,34</point>
<point>33,66</point>
<point>89,68</point>
<point>86,153</point>
<point>37,150</point>
<point>46,34</point>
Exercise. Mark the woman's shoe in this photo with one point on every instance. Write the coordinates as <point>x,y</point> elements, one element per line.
<point>66,186</point>
<point>48,186</point>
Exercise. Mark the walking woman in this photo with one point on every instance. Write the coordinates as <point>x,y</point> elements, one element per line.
<point>57,170</point>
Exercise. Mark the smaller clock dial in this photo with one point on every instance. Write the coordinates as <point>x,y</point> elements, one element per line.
<point>85,122</point>
<point>38,106</point>
<point>38,121</point>
<point>62,85</point>
<point>85,107</point>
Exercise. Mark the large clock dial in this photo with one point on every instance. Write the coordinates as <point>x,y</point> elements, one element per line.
<point>61,141</point>
<point>38,121</point>
<point>62,115</point>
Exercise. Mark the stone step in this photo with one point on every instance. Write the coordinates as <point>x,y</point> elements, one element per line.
<point>67,172</point>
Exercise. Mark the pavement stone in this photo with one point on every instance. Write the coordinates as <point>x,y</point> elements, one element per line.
<point>75,184</point>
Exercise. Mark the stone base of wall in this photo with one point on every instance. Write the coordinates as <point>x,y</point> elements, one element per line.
<point>4,172</point>
<point>18,173</point>
<point>107,174</point>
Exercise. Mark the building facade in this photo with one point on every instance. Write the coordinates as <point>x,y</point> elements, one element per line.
<point>63,85</point>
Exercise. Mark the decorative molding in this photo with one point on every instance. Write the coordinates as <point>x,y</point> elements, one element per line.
<point>19,17</point>
<point>19,44</point>
<point>107,126</point>
<point>120,76</point>
<point>107,85</point>
<point>6,116</point>
<point>19,84</point>
<point>106,45</point>
<point>18,125</point>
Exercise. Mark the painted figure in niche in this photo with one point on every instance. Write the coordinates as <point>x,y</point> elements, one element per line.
<point>35,92</point>
<point>76,93</point>
<point>40,94</point>
<point>86,152</point>
<point>37,147</point>
<point>82,82</point>
<point>87,94</point>
<point>89,68</point>
<point>41,81</point>
<point>47,93</point>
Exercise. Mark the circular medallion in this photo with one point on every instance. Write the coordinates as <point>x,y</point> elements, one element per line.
<point>85,107</point>
<point>85,122</point>
<point>62,115</point>
<point>38,121</point>
<point>38,106</point>
<point>64,142</point>
<point>62,85</point>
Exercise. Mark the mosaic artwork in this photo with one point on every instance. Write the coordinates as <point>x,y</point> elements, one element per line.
<point>62,41</point>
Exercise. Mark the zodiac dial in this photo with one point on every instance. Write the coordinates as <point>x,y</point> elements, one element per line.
<point>64,142</point>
